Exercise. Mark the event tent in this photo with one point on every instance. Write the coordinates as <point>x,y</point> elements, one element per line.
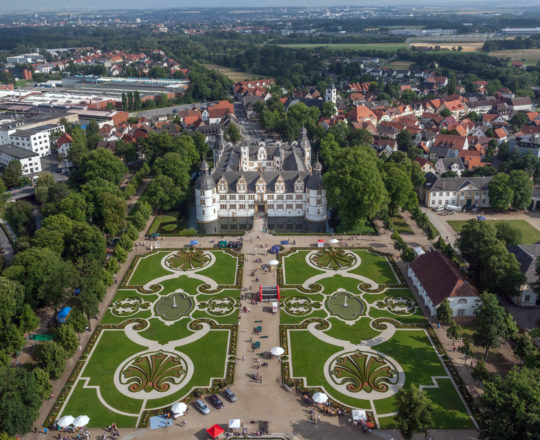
<point>215,431</point>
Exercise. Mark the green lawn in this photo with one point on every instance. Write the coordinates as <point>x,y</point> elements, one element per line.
<point>285,318</point>
<point>85,401</point>
<point>149,268</point>
<point>109,318</point>
<point>208,355</point>
<point>162,333</point>
<point>416,318</point>
<point>375,267</point>
<point>390,47</point>
<point>187,284</point>
<point>296,269</point>
<point>400,225</point>
<point>112,349</point>
<point>223,271</point>
<point>356,333</point>
<point>171,216</point>
<point>529,234</point>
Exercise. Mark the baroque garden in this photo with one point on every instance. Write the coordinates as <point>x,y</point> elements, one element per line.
<point>353,329</point>
<point>349,326</point>
<point>167,336</point>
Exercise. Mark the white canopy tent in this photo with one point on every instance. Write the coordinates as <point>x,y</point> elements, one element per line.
<point>277,351</point>
<point>320,398</point>
<point>65,421</point>
<point>81,421</point>
<point>334,241</point>
<point>235,423</point>
<point>179,408</point>
<point>358,415</point>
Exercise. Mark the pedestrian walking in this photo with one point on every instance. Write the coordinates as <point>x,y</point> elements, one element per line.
<point>243,357</point>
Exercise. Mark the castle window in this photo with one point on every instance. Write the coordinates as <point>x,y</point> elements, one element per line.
<point>251,197</point>
<point>289,206</point>
<point>242,206</point>
<point>289,197</point>
<point>299,206</point>
<point>298,196</point>
<point>241,197</point>
<point>223,206</point>
<point>202,202</point>
<point>223,197</point>
<point>270,197</point>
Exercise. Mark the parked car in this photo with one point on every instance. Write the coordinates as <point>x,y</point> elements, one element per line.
<point>229,395</point>
<point>438,209</point>
<point>202,407</point>
<point>216,401</point>
<point>238,245</point>
<point>231,245</point>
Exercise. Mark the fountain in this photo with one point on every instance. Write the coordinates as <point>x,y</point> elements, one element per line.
<point>174,306</point>
<point>345,300</point>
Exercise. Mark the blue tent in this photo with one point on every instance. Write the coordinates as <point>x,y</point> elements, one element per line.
<point>284,242</point>
<point>275,249</point>
<point>194,243</point>
<point>481,218</point>
<point>63,314</point>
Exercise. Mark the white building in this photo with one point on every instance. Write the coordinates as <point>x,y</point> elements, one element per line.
<point>275,179</point>
<point>526,254</point>
<point>436,278</point>
<point>330,94</point>
<point>467,192</point>
<point>30,162</point>
<point>35,139</point>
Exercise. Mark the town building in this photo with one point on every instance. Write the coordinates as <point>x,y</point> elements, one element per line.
<point>271,178</point>
<point>468,192</point>
<point>30,161</point>
<point>436,278</point>
<point>527,255</point>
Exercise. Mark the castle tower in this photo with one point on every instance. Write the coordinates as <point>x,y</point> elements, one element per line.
<point>316,204</point>
<point>219,147</point>
<point>306,147</point>
<point>206,200</point>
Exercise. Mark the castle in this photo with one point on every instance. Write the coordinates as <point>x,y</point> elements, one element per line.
<point>271,178</point>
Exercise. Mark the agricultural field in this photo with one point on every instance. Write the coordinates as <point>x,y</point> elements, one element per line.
<point>354,330</point>
<point>454,45</point>
<point>166,336</point>
<point>390,47</point>
<point>528,56</point>
<point>233,75</point>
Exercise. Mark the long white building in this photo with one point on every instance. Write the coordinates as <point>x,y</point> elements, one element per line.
<point>275,179</point>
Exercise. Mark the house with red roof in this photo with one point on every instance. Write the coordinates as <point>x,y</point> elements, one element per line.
<point>425,164</point>
<point>361,113</point>
<point>437,278</point>
<point>501,134</point>
<point>63,144</point>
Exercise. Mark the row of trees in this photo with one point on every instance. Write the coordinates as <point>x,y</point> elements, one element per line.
<point>513,190</point>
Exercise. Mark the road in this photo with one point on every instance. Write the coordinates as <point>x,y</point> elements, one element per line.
<point>444,228</point>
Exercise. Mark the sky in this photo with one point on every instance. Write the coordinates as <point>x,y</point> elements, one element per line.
<point>51,5</point>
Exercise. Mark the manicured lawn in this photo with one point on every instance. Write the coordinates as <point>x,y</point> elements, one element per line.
<point>285,318</point>
<point>356,333</point>
<point>400,225</point>
<point>148,269</point>
<point>85,401</point>
<point>170,217</point>
<point>416,318</point>
<point>109,318</point>
<point>296,269</point>
<point>375,267</point>
<point>208,355</point>
<point>309,362</point>
<point>223,271</point>
<point>162,333</point>
<point>330,285</point>
<point>529,234</point>
<point>113,348</point>
<point>187,284</point>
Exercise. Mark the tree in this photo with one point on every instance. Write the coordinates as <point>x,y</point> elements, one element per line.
<point>52,358</point>
<point>28,320</point>
<point>444,311</point>
<point>445,112</point>
<point>112,214</point>
<point>78,147</point>
<point>85,240</point>
<point>67,338</point>
<point>360,137</point>
<point>173,166</point>
<point>12,173</point>
<point>355,186</point>
<point>43,384</point>
<point>492,323</point>
<point>328,109</point>
<point>454,332</point>
<point>511,406</point>
<point>508,234</point>
<point>77,319</point>
<point>522,187</point>
<point>49,238</point>
<point>398,184</point>
<point>101,163</point>
<point>44,275</point>
<point>449,173</point>
<point>414,411</point>
<point>19,400</point>
<point>163,194</point>
<point>466,350</point>
<point>500,192</point>
<point>404,140</point>
<point>451,87</point>
<point>20,216</point>
<point>524,349</point>
<point>233,133</point>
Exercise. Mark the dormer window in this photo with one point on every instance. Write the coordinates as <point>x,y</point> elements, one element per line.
<point>261,154</point>
<point>260,186</point>
<point>299,186</point>
<point>241,185</point>
<point>280,185</point>
<point>222,185</point>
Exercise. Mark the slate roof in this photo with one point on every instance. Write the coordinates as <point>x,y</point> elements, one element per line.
<point>456,183</point>
<point>440,278</point>
<point>526,255</point>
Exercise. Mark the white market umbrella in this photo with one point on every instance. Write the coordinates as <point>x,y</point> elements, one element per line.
<point>358,415</point>
<point>235,423</point>
<point>179,408</point>
<point>64,422</point>
<point>320,398</point>
<point>277,351</point>
<point>81,421</point>
<point>334,241</point>
<point>273,262</point>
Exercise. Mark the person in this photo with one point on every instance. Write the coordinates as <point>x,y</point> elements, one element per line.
<point>243,357</point>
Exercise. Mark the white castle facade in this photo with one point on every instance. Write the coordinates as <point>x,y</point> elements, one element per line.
<point>272,178</point>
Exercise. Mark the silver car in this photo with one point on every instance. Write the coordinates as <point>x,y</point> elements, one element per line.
<point>202,407</point>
